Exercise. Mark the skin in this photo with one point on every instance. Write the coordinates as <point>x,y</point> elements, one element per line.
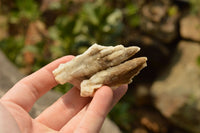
<point>70,113</point>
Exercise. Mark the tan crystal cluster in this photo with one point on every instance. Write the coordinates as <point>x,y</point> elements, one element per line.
<point>101,65</point>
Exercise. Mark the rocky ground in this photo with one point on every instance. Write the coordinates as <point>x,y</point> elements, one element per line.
<point>169,101</point>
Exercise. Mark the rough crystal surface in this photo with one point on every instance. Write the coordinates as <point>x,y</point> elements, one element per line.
<point>100,65</point>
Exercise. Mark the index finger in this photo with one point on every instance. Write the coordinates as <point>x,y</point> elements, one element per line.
<point>29,89</point>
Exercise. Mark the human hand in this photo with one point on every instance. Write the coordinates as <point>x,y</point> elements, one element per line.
<point>70,113</point>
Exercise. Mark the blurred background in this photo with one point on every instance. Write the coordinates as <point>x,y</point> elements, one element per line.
<point>164,97</point>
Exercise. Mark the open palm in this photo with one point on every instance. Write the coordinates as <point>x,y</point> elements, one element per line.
<point>70,113</point>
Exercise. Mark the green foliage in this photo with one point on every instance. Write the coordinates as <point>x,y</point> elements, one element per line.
<point>27,9</point>
<point>92,23</point>
<point>72,32</point>
<point>195,6</point>
<point>132,15</point>
<point>198,61</point>
<point>63,88</point>
<point>13,47</point>
<point>121,115</point>
<point>173,10</point>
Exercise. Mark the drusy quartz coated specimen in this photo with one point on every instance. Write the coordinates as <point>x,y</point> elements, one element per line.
<point>100,65</point>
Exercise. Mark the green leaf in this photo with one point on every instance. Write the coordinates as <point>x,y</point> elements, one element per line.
<point>131,9</point>
<point>198,61</point>
<point>173,10</point>
<point>31,48</point>
<point>134,21</point>
<point>63,88</point>
<point>78,26</point>
<point>121,116</point>
<point>28,9</point>
<point>14,17</point>
<point>54,32</point>
<point>12,47</point>
<point>132,15</point>
<point>55,5</point>
<point>57,51</point>
<point>89,10</point>
<point>115,17</point>
<point>195,6</point>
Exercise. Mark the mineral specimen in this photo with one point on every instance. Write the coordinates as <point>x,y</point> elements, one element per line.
<point>100,65</point>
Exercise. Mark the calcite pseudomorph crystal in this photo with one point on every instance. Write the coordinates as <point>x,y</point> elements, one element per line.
<point>100,65</point>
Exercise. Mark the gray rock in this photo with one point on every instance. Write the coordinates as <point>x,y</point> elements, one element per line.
<point>190,27</point>
<point>177,90</point>
<point>9,75</point>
